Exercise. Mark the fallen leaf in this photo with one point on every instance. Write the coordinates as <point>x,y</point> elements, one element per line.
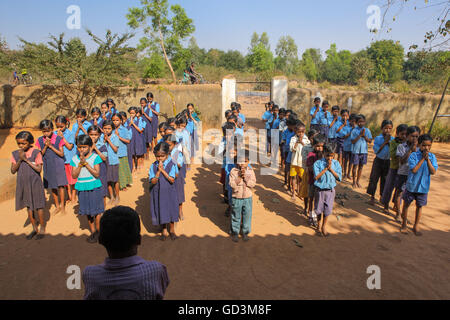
<point>275,200</point>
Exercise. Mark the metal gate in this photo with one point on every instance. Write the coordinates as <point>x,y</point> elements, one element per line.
<point>254,93</point>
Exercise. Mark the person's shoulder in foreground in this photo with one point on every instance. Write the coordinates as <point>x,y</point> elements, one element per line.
<point>124,275</point>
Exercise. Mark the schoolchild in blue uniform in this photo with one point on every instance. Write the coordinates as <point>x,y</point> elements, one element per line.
<point>422,165</point>
<point>360,137</point>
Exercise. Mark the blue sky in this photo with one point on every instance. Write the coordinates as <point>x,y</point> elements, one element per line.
<point>224,24</point>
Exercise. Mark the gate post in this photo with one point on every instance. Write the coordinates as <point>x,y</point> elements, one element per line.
<point>228,94</point>
<point>279,91</point>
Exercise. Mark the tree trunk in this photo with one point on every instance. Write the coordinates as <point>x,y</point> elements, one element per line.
<point>165,55</point>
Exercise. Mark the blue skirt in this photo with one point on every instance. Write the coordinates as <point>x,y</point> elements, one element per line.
<point>91,202</point>
<point>179,184</point>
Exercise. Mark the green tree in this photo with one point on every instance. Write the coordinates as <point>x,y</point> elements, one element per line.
<point>259,40</point>
<point>153,67</point>
<point>362,67</point>
<point>311,63</point>
<point>387,57</point>
<point>198,55</point>
<point>287,55</point>
<point>79,77</point>
<point>153,18</point>
<point>336,67</point>
<point>232,60</point>
<point>213,57</point>
<point>427,67</point>
<point>260,59</point>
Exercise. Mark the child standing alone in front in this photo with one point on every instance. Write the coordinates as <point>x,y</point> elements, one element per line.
<point>27,163</point>
<point>422,164</point>
<point>326,172</point>
<point>86,169</point>
<point>242,180</point>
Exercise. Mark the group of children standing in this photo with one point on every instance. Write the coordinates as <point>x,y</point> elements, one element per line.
<point>403,163</point>
<point>92,160</point>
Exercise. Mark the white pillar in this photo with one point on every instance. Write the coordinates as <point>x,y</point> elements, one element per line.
<point>279,91</point>
<point>228,94</point>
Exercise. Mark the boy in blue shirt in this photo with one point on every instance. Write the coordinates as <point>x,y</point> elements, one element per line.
<point>334,124</point>
<point>326,172</point>
<point>315,115</point>
<point>325,119</point>
<point>422,164</point>
<point>381,163</point>
<point>360,136</point>
<point>341,129</point>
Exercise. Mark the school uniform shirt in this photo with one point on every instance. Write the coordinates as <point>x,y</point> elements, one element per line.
<point>276,123</point>
<point>315,120</point>
<point>384,153</point>
<point>296,159</point>
<point>348,145</point>
<point>172,173</point>
<point>360,147</point>
<point>86,125</point>
<point>419,182</point>
<point>327,180</point>
<point>266,116</point>
<point>332,134</point>
<point>142,124</point>
<point>126,134</point>
<point>155,106</point>
<point>113,157</point>
<point>70,138</point>
<point>242,117</point>
<point>184,138</point>
<point>269,121</point>
<point>325,118</point>
<point>99,122</point>
<point>86,181</point>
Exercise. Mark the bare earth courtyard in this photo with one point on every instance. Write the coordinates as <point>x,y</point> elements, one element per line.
<point>205,264</point>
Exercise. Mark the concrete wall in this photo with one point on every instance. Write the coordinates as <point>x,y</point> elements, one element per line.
<point>26,106</point>
<point>411,109</point>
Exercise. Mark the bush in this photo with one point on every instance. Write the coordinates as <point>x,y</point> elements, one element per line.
<point>440,132</point>
<point>400,86</point>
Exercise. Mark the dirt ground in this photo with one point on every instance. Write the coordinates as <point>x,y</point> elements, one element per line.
<point>205,264</point>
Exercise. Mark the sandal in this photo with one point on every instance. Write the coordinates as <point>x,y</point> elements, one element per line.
<point>162,237</point>
<point>173,236</point>
<point>31,235</point>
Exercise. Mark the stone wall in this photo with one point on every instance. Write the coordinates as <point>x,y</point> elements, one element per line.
<point>411,109</point>
<point>26,106</point>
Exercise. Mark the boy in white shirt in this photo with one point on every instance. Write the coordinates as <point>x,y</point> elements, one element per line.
<point>296,146</point>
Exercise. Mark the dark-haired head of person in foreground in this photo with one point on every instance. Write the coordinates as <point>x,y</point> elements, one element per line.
<point>124,275</point>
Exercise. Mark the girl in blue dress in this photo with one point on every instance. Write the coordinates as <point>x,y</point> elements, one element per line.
<point>99,148</point>
<point>148,132</point>
<point>86,169</point>
<point>138,148</point>
<point>164,207</point>
<point>155,110</point>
